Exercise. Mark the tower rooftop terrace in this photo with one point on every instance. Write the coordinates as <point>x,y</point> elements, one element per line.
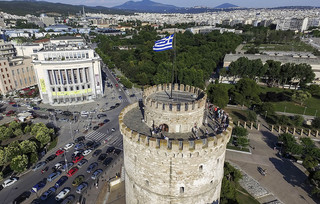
<point>177,97</point>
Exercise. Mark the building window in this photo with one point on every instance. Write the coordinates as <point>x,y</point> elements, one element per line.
<point>7,75</point>
<point>6,88</point>
<point>13,72</point>
<point>77,87</point>
<point>22,70</point>
<point>88,86</point>
<point>25,81</point>
<point>29,79</point>
<point>82,86</point>
<point>34,79</point>
<point>59,89</point>
<point>4,63</point>
<point>9,81</point>
<point>200,168</point>
<point>53,90</point>
<point>1,70</point>
<point>20,82</point>
<point>18,71</point>
<point>27,69</point>
<point>10,87</point>
<point>2,76</point>
<point>6,69</point>
<point>0,64</point>
<point>5,82</point>
<point>181,190</point>
<point>15,83</point>
<point>147,183</point>
<point>71,88</point>
<point>65,88</point>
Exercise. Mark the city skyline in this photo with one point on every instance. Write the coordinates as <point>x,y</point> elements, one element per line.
<point>206,3</point>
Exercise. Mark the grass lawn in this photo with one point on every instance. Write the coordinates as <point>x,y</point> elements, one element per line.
<point>312,106</point>
<point>244,197</point>
<point>238,148</point>
<point>236,114</point>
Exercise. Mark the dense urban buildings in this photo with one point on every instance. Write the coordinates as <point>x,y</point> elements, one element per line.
<point>68,71</point>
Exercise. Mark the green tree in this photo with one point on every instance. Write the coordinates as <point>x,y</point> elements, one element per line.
<point>2,157</point>
<point>19,163</point>
<point>2,132</point>
<point>229,183</point>
<point>301,96</point>
<point>14,125</point>
<point>251,116</point>
<point>27,129</point>
<point>273,72</point>
<point>28,146</point>
<point>309,162</point>
<point>18,132</point>
<point>36,127</point>
<point>314,89</point>
<point>246,92</point>
<point>267,108</point>
<point>33,158</point>
<point>218,94</point>
<point>240,131</point>
<point>297,120</point>
<point>316,122</point>
<point>11,152</point>
<point>290,144</point>
<point>283,120</point>
<point>43,136</point>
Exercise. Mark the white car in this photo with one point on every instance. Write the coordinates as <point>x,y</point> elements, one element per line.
<point>59,165</point>
<point>9,182</point>
<point>68,146</point>
<point>86,152</point>
<point>62,194</point>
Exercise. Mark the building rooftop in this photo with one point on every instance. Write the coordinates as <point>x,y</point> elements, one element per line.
<point>134,121</point>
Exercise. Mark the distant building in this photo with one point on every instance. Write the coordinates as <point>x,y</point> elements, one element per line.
<point>68,72</point>
<point>296,24</point>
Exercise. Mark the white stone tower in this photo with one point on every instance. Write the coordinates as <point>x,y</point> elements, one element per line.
<point>175,165</point>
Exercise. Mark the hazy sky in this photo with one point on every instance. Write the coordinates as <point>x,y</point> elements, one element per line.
<point>209,3</point>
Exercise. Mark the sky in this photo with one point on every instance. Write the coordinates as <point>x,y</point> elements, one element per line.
<point>208,3</point>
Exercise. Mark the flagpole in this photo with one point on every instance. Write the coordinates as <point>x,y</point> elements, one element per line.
<point>174,60</point>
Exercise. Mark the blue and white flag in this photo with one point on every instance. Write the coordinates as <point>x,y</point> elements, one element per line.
<point>163,44</point>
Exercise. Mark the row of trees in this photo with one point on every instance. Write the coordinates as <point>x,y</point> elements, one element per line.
<point>272,72</point>
<point>197,56</point>
<point>308,152</point>
<point>18,155</point>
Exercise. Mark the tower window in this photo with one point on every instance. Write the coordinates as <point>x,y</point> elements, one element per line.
<point>147,183</point>
<point>200,167</point>
<point>181,190</point>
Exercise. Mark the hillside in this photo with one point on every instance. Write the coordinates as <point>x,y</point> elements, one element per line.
<point>147,6</point>
<point>37,7</point>
<point>226,6</point>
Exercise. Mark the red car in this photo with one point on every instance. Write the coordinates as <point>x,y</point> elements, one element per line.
<point>60,151</point>
<point>117,85</point>
<point>10,112</point>
<point>11,102</point>
<point>101,124</point>
<point>72,171</point>
<point>77,159</point>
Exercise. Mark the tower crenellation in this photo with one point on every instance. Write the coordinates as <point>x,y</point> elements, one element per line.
<point>165,160</point>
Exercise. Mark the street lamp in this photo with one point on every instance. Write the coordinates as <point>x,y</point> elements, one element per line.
<point>315,115</point>
<point>265,116</point>
<point>285,109</point>
<point>305,108</point>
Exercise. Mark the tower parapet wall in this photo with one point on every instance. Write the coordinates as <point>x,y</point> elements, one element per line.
<point>176,115</point>
<point>176,171</point>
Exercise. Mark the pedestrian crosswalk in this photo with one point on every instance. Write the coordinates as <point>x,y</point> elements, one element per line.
<point>111,139</point>
<point>95,136</point>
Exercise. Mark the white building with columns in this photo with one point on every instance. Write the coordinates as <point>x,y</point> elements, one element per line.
<point>68,73</point>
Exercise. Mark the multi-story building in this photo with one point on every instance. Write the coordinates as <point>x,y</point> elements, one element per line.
<point>68,71</point>
<point>16,71</point>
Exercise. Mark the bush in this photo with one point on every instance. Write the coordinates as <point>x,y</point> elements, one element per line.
<point>239,131</point>
<point>316,122</point>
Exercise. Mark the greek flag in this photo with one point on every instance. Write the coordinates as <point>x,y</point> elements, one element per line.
<point>163,44</point>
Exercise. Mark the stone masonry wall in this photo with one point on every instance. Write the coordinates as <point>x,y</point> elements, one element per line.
<point>182,172</point>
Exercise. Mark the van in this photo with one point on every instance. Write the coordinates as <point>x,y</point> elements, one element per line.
<point>53,176</point>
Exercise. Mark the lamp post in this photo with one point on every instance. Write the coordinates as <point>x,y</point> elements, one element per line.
<point>315,115</point>
<point>305,108</point>
<point>265,116</point>
<point>285,109</point>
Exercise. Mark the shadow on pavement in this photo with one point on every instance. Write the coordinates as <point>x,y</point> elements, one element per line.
<point>269,138</point>
<point>293,175</point>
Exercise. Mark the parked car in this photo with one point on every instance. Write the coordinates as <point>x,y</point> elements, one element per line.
<point>10,112</point>
<point>101,124</point>
<point>68,146</point>
<point>9,182</point>
<point>96,174</point>
<point>36,108</point>
<point>68,200</point>
<point>39,165</point>
<point>82,162</point>
<point>95,145</point>
<point>45,169</point>
<point>59,164</point>
<point>59,152</point>
<point>89,144</point>
<point>48,193</point>
<point>72,171</point>
<point>79,139</point>
<point>53,176</point>
<point>117,151</point>
<point>66,113</point>
<point>78,180</point>
<point>101,115</point>
<point>96,127</point>
<point>67,166</point>
<point>50,158</point>
<point>22,197</point>
<point>61,181</point>
<point>110,150</point>
<point>107,161</point>
<point>79,146</point>
<point>77,159</point>
<point>106,121</point>
<point>97,152</point>
<point>91,167</point>
<point>62,194</point>
<point>81,187</point>
<point>86,152</point>
<point>102,157</point>
<point>41,184</point>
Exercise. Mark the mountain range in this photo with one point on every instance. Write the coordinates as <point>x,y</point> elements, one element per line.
<point>151,6</point>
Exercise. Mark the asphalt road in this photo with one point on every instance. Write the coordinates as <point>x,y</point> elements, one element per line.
<point>27,181</point>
